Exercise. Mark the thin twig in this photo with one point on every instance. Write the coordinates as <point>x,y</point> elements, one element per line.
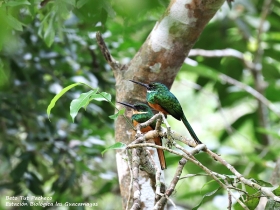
<point>250,65</point>
<point>221,53</point>
<point>257,72</point>
<point>251,91</point>
<point>131,178</point>
<point>135,172</point>
<point>265,190</point>
<point>239,201</point>
<point>106,53</point>
<point>229,200</point>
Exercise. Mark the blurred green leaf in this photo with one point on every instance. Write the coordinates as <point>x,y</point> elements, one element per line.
<point>20,169</point>
<point>81,3</point>
<point>49,32</point>
<point>34,184</point>
<point>106,5</point>
<point>118,145</point>
<point>237,124</point>
<point>71,2</point>
<point>13,3</point>
<point>120,112</point>
<point>107,187</point>
<point>252,202</point>
<point>14,23</point>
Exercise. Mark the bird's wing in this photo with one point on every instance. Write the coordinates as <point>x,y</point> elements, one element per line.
<point>170,104</point>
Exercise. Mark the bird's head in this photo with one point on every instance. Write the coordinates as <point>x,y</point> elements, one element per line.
<point>138,108</point>
<point>154,86</point>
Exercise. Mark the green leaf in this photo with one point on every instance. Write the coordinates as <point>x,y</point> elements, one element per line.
<point>206,195</point>
<point>101,97</point>
<point>118,145</point>
<point>120,112</point>
<point>34,184</point>
<point>107,187</point>
<point>71,2</point>
<point>80,102</point>
<point>106,5</point>
<point>49,32</point>
<point>62,92</point>
<point>21,168</point>
<point>81,3</point>
<point>277,191</point>
<point>14,23</point>
<point>252,202</point>
<point>269,132</point>
<point>16,3</point>
<point>262,183</point>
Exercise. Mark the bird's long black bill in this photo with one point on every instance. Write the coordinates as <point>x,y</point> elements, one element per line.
<point>140,83</point>
<point>128,105</point>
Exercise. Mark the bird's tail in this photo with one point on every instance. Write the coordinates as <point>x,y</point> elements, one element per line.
<point>160,152</point>
<point>191,131</point>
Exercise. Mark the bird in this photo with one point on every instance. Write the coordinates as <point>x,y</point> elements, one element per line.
<point>142,113</point>
<point>161,99</point>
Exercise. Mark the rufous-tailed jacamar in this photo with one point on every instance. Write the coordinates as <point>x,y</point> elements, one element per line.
<point>161,99</point>
<point>142,113</point>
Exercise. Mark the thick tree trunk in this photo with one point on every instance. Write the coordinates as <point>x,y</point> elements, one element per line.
<point>159,59</point>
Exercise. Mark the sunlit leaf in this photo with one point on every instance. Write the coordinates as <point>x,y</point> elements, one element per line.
<point>61,93</point>
<point>101,97</point>
<point>80,102</point>
<point>118,145</point>
<point>120,112</point>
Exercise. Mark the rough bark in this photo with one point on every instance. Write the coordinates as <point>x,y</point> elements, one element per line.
<point>159,59</point>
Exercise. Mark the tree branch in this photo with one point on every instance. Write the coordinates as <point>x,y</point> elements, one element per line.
<point>222,53</point>
<point>106,53</point>
<point>250,65</point>
<point>135,174</point>
<point>257,72</point>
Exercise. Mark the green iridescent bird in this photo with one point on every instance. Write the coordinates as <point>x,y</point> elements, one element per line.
<point>142,113</point>
<point>161,99</point>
